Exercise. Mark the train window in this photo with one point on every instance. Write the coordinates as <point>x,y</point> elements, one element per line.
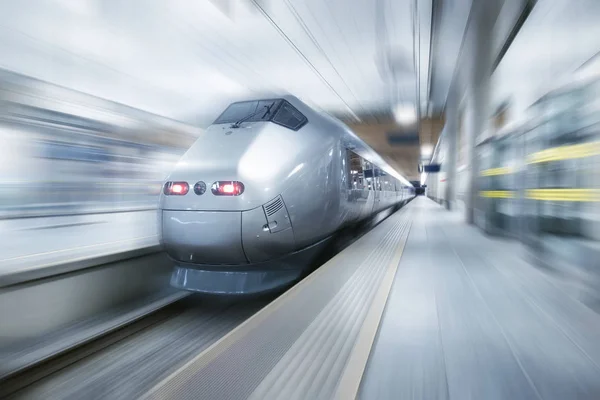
<point>386,184</point>
<point>368,173</point>
<point>385,181</point>
<point>237,111</point>
<point>244,109</point>
<point>269,107</point>
<point>288,116</point>
<point>377,173</point>
<point>355,166</point>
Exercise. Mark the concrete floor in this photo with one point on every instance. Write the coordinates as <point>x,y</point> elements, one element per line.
<point>469,318</point>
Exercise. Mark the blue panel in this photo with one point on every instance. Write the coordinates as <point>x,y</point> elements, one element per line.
<point>432,168</point>
<point>403,138</point>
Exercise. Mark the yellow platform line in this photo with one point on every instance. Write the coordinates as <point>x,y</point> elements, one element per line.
<point>585,195</point>
<point>497,194</point>
<point>497,171</point>
<point>565,153</point>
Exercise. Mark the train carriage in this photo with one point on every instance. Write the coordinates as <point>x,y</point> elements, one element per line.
<point>261,191</point>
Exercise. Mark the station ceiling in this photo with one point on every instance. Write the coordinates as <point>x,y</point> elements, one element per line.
<point>187,59</point>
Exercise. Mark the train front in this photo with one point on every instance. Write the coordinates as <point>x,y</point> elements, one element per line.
<point>223,217</point>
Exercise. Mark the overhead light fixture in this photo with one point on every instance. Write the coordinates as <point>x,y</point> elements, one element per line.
<point>405,114</point>
<point>426,150</point>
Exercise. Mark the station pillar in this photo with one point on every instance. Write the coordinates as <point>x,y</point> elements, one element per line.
<point>451,133</point>
<point>478,97</point>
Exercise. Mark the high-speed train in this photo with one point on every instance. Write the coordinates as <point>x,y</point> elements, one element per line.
<point>257,196</point>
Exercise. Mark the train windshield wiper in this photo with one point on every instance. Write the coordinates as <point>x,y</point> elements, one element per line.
<point>247,117</point>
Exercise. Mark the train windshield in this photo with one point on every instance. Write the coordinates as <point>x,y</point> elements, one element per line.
<point>250,111</point>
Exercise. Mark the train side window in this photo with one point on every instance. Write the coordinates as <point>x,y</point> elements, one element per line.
<point>287,115</point>
<point>377,178</point>
<point>385,182</point>
<point>369,174</point>
<point>355,166</point>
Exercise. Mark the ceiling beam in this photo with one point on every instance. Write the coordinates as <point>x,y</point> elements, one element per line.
<point>435,22</point>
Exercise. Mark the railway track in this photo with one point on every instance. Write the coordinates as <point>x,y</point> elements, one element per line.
<point>126,362</point>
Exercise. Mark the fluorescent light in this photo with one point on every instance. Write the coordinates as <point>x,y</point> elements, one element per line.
<point>405,114</point>
<point>423,178</point>
<point>426,150</point>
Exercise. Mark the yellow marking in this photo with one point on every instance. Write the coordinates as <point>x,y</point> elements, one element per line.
<point>497,194</point>
<point>349,382</point>
<point>496,171</point>
<point>565,153</point>
<point>563,194</point>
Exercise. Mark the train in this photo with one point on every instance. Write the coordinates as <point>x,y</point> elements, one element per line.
<point>257,196</point>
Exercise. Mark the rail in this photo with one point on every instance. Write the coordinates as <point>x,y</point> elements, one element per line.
<point>47,317</point>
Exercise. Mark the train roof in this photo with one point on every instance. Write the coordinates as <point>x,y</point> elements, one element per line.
<point>333,126</point>
<point>349,138</point>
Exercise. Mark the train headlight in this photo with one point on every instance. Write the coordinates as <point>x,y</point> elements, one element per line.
<point>227,188</point>
<point>176,188</point>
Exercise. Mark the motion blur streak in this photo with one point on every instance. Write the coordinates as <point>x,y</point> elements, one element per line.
<point>63,151</point>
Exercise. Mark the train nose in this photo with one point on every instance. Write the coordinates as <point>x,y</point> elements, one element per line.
<point>235,172</point>
<point>206,237</point>
<point>228,237</point>
<point>237,216</point>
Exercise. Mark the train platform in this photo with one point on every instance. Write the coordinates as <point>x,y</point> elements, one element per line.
<point>422,307</point>
<point>37,247</point>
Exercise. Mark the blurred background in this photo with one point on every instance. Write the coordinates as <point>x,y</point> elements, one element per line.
<point>64,151</point>
<point>491,108</point>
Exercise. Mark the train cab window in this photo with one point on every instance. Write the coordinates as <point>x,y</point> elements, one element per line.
<point>237,111</point>
<point>275,110</point>
<point>355,166</point>
<point>288,116</point>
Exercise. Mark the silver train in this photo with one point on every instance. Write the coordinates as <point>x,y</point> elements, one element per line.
<point>257,196</point>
